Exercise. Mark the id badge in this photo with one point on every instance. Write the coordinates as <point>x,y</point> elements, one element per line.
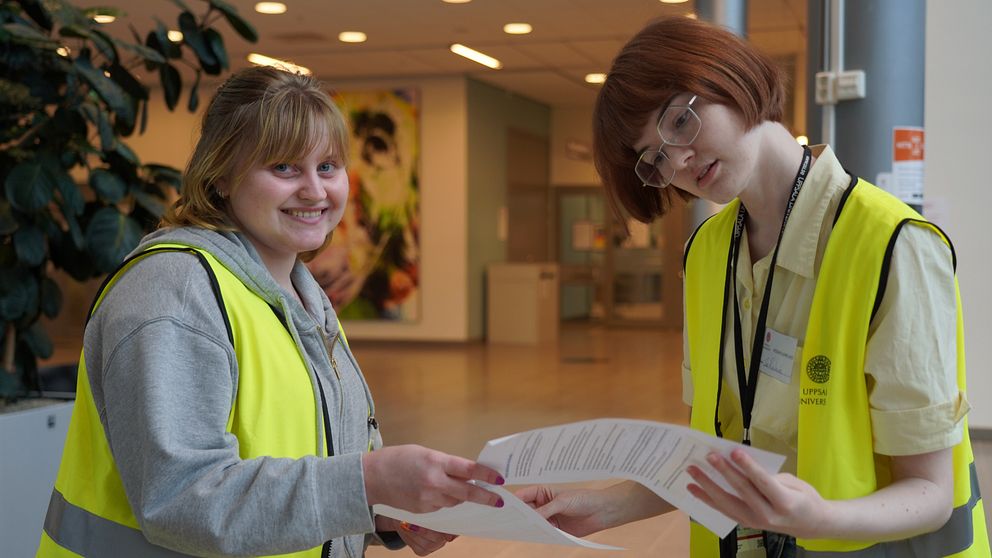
<point>750,543</point>
<point>777,355</point>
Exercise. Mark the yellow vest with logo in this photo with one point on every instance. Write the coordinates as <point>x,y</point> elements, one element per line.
<point>275,413</point>
<point>835,452</point>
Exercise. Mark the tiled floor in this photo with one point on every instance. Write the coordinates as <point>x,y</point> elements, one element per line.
<point>455,397</point>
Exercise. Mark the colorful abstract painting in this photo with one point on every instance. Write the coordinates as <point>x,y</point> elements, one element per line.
<point>371,270</point>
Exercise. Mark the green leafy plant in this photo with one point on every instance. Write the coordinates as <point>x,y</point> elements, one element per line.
<point>73,195</point>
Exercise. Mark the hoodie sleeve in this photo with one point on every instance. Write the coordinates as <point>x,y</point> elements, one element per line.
<point>164,377</point>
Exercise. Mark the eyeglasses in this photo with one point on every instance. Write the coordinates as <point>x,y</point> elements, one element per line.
<point>679,125</point>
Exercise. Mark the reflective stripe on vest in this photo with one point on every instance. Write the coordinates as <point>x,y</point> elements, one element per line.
<point>835,452</point>
<point>89,513</point>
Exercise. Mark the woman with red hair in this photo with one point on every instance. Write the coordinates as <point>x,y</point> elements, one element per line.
<point>822,320</point>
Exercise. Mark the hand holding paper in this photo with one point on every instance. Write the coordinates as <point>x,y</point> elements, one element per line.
<point>654,454</point>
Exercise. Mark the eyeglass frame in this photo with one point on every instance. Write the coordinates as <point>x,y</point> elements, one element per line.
<point>664,142</point>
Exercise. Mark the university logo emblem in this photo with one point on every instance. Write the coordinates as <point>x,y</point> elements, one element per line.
<point>818,369</point>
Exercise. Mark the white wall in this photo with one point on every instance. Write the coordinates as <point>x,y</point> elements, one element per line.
<point>958,191</point>
<point>170,138</point>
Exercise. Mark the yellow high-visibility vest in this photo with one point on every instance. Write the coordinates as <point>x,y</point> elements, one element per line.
<point>835,453</point>
<point>275,413</point>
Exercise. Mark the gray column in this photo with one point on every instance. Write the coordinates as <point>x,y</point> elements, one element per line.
<point>885,38</point>
<point>731,14</point>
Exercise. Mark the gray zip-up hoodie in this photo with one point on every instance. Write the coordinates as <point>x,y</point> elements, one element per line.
<point>164,375</point>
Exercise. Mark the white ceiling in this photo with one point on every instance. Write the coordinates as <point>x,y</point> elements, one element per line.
<point>410,38</point>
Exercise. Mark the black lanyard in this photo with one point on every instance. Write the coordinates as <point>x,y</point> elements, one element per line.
<point>748,387</point>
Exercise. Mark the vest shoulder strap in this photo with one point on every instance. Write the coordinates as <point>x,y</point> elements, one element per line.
<point>134,259</point>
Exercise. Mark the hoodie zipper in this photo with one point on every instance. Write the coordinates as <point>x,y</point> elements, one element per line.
<point>329,545</point>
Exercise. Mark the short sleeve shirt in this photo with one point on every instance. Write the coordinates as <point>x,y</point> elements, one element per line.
<point>911,355</point>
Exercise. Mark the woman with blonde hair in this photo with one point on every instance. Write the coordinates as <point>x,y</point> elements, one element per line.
<point>220,410</point>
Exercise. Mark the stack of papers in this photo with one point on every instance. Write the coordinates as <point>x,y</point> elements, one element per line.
<point>652,453</point>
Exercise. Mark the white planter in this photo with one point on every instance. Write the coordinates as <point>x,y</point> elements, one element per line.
<point>30,450</point>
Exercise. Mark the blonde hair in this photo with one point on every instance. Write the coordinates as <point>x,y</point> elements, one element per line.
<point>259,115</point>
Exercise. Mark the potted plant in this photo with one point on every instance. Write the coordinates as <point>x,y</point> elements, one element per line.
<point>73,195</point>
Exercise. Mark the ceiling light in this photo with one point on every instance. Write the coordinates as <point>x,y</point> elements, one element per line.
<point>175,36</point>
<point>692,15</point>
<point>263,60</point>
<point>517,28</point>
<point>674,1</point>
<point>104,18</point>
<point>803,140</point>
<point>352,37</point>
<point>476,56</point>
<point>456,1</point>
<point>271,8</point>
<point>595,78</point>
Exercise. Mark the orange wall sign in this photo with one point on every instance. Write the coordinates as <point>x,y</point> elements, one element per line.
<point>907,144</point>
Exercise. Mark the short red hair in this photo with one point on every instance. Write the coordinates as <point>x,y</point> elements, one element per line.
<point>668,57</point>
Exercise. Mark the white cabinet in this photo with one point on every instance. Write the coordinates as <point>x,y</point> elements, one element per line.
<point>522,303</point>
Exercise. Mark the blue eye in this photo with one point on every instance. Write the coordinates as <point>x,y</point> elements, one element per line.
<point>326,167</point>
<point>281,167</point>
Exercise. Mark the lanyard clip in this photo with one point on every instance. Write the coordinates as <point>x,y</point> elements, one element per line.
<point>747,437</point>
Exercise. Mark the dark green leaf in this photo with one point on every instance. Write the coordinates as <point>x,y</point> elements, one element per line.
<point>162,173</point>
<point>152,203</point>
<point>22,34</point>
<point>95,114</point>
<point>216,44</point>
<point>37,340</point>
<point>195,39</point>
<point>38,13</point>
<point>29,187</point>
<point>108,90</point>
<point>182,5</point>
<point>14,292</point>
<point>128,82</point>
<point>74,31</point>
<point>144,117</point>
<point>108,186</point>
<point>172,84</point>
<point>245,29</point>
<point>127,153</point>
<point>75,231</point>
<point>51,298</point>
<point>147,53</point>
<point>72,198</point>
<point>194,94</point>
<point>152,42</point>
<point>8,222</point>
<point>105,45</point>
<point>29,243</point>
<point>171,49</point>
<point>110,236</point>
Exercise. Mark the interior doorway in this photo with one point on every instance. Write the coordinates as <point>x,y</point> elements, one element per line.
<point>609,276</point>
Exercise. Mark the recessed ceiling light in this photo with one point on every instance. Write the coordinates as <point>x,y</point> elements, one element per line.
<point>595,78</point>
<point>456,1</point>
<point>674,1</point>
<point>803,140</point>
<point>517,28</point>
<point>263,60</point>
<point>104,18</point>
<point>476,56</point>
<point>270,8</point>
<point>352,37</point>
<point>175,36</point>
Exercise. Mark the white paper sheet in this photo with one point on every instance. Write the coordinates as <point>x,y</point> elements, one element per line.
<point>514,521</point>
<point>652,453</point>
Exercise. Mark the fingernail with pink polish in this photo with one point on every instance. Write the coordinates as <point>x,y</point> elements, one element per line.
<point>500,480</point>
<point>499,503</point>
